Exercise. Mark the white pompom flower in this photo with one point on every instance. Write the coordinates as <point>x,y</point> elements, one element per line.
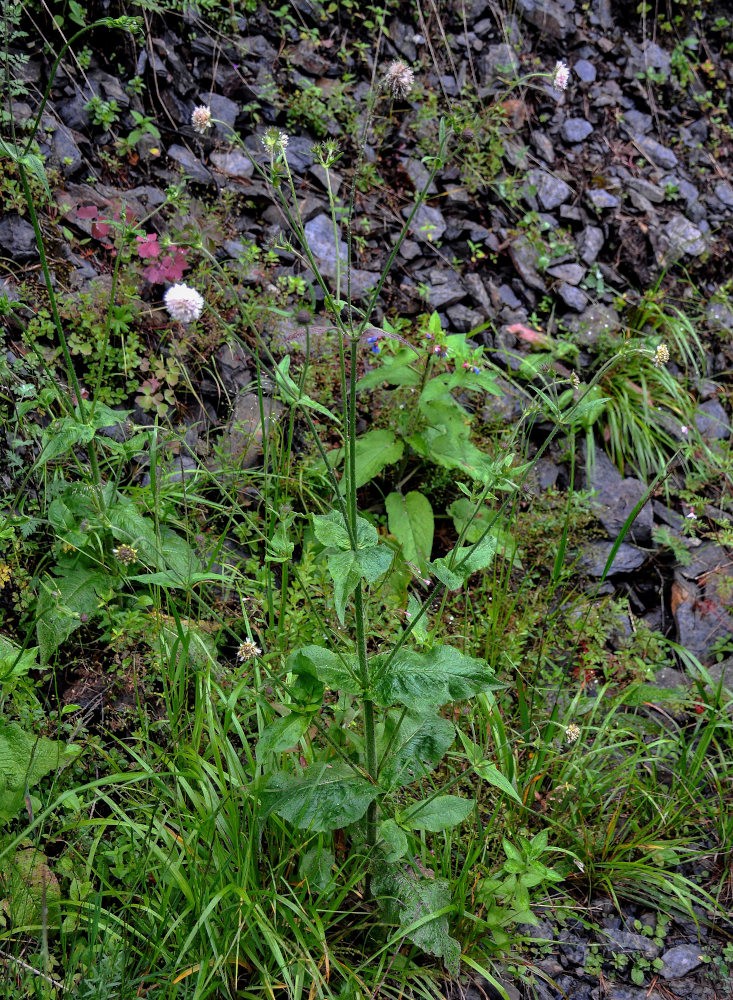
<point>184,304</point>
<point>201,118</point>
<point>561,76</point>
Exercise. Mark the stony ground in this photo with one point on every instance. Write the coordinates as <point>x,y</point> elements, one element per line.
<point>563,217</point>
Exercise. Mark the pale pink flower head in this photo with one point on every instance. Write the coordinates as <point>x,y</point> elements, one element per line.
<point>184,304</point>
<point>561,76</point>
<point>685,429</point>
<point>691,516</point>
<point>399,79</point>
<point>201,118</point>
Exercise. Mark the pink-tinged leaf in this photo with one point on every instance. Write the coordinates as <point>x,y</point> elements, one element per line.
<point>87,212</point>
<point>147,246</point>
<point>526,333</point>
<point>100,230</point>
<point>154,273</point>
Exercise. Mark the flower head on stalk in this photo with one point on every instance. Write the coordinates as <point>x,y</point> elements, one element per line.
<point>248,651</point>
<point>201,119</point>
<point>661,356</point>
<point>275,141</point>
<point>561,75</point>
<point>184,304</point>
<point>399,79</point>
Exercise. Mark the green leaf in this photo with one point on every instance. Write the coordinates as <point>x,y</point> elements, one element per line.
<point>33,163</point>
<point>282,734</point>
<point>419,906</point>
<point>331,531</point>
<point>61,603</point>
<point>327,667</point>
<point>290,392</point>
<point>33,889</point>
<point>130,526</point>
<point>62,436</point>
<point>317,868</point>
<point>348,568</point>
<point>395,838</point>
<point>411,521</point>
<point>428,680</point>
<point>437,814</point>
<point>374,450</point>
<point>393,374</point>
<point>486,770</point>
<point>414,749</point>
<point>105,416</point>
<point>323,797</point>
<point>24,760</point>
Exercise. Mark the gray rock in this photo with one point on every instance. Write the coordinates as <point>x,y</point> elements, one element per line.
<point>427,224</point>
<point>445,288</point>
<point>319,234</point>
<point>66,150</point>
<point>507,296</point>
<point>17,238</point>
<point>403,36</point>
<point>464,319</point>
<point>478,293</point>
<point>628,943</point>
<point>680,960</point>
<point>524,257</point>
<point>575,130</point>
<point>724,192</point>
<point>299,153</point>
<point>719,316</point>
<point>234,164</point>
<point>680,237</point>
<point>656,152</point>
<point>712,421</point>
<point>547,15</point>
<point>499,62</point>
<point>637,121</point>
<point>601,199</point>
<point>595,555</point>
<point>306,57</point>
<point>585,70</point>
<point>243,435</point>
<point>231,362</point>
<point>589,244</point>
<point>551,191</point>
<point>652,192</point>
<point>226,111</point>
<point>418,174</point>
<point>543,144</point>
<point>573,297</point>
<point>614,503</point>
<point>686,189</point>
<point>191,164</point>
<point>572,273</point>
<point>700,623</point>
<point>625,993</point>
<point>409,249</point>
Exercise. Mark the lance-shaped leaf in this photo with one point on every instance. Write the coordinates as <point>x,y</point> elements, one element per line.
<point>324,797</point>
<point>395,840</point>
<point>437,814</point>
<point>327,666</point>
<point>413,749</point>
<point>374,450</point>
<point>411,522</point>
<point>427,680</point>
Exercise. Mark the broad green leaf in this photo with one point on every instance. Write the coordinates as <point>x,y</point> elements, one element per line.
<point>130,526</point>
<point>282,734</point>
<point>24,760</point>
<point>330,530</point>
<point>430,679</point>
<point>420,631</point>
<point>413,749</point>
<point>327,666</point>
<point>105,416</point>
<point>395,838</point>
<point>396,374</point>
<point>166,579</point>
<point>411,521</point>
<point>348,568</point>
<point>419,906</point>
<point>374,451</point>
<point>62,436</point>
<point>13,662</point>
<point>61,603</point>
<point>447,576</point>
<point>323,797</point>
<point>317,867</point>
<point>437,814</point>
<point>177,556</point>
<point>33,891</point>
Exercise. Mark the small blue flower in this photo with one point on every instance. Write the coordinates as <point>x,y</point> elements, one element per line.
<point>476,371</point>
<point>372,340</point>
<point>376,349</point>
